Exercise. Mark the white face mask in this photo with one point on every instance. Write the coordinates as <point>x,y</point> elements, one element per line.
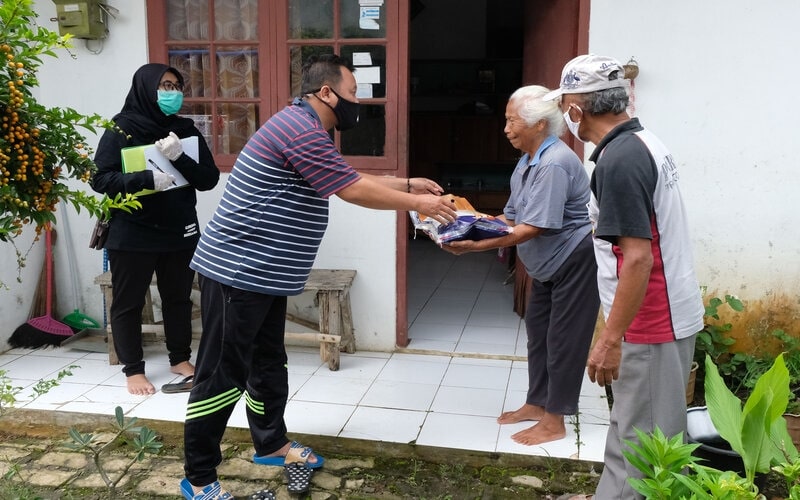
<point>573,126</point>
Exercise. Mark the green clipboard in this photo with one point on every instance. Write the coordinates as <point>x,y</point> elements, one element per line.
<point>148,157</point>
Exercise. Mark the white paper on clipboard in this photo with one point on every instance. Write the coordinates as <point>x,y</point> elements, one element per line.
<point>154,160</point>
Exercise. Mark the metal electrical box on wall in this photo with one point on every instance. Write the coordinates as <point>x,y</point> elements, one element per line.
<point>82,19</point>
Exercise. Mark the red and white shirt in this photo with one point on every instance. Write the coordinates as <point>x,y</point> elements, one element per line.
<point>635,193</point>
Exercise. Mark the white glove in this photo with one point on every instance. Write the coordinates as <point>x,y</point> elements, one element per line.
<point>162,181</point>
<point>170,146</point>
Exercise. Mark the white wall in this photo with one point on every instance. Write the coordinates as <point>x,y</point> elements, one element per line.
<point>715,85</point>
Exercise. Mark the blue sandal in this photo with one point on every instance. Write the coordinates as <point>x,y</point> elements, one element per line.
<point>297,453</point>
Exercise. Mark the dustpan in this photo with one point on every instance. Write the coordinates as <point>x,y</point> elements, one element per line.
<point>76,319</point>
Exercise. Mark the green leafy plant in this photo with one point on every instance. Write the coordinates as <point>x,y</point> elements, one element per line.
<point>142,439</point>
<point>671,470</point>
<point>40,148</point>
<point>755,430</point>
<point>712,339</point>
<point>791,474</point>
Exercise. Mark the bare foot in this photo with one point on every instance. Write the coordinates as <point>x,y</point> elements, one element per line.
<point>183,368</point>
<point>526,412</point>
<point>550,428</point>
<point>139,385</point>
<point>312,459</point>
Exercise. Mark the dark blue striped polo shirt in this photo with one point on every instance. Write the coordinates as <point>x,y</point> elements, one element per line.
<point>268,226</point>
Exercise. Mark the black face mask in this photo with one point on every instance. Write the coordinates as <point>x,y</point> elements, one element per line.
<point>346,113</point>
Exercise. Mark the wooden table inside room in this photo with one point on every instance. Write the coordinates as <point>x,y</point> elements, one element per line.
<point>334,327</point>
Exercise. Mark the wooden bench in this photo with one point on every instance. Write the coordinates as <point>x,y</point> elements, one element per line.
<point>335,325</point>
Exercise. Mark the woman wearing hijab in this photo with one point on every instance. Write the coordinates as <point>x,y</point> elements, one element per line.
<point>161,236</point>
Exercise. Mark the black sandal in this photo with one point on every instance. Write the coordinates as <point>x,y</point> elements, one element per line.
<point>184,385</point>
<point>298,477</point>
<point>263,495</point>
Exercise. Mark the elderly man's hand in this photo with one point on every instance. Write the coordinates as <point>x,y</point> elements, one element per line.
<point>604,362</point>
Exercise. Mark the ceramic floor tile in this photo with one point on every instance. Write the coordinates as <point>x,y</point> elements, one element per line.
<point>317,418</point>
<point>436,331</point>
<point>6,358</point>
<point>461,294</point>
<point>383,424</point>
<point>456,314</point>
<point>514,400</point>
<point>490,335</point>
<point>326,389</point>
<point>160,406</point>
<point>35,367</point>
<point>518,380</point>
<point>93,408</point>
<point>354,366</point>
<point>400,369</point>
<point>480,360</point>
<point>91,371</point>
<point>593,442</point>
<point>494,319</point>
<point>482,348</point>
<point>469,401</point>
<point>400,395</point>
<point>296,381</point>
<point>465,432</point>
<point>431,345</point>
<point>112,394</point>
<point>301,361</point>
<point>483,377</point>
<point>53,400</point>
<point>496,302</point>
<point>561,448</point>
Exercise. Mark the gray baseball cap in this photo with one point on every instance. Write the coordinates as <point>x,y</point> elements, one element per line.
<point>589,73</point>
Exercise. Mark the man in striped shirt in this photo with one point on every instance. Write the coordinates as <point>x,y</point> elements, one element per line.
<point>258,249</point>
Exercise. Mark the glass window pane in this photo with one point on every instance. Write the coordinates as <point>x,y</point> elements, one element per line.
<point>298,56</point>
<point>310,19</point>
<point>369,136</point>
<point>377,55</point>
<point>201,114</point>
<point>236,19</point>
<point>237,69</point>
<point>187,19</point>
<point>359,21</point>
<point>194,64</point>
<point>237,122</point>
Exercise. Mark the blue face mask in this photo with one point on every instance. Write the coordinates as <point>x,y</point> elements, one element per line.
<point>170,101</point>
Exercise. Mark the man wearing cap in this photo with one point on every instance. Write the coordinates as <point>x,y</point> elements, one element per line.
<point>648,286</point>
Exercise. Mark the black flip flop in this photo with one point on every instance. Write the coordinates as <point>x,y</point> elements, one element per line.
<point>263,495</point>
<point>184,385</point>
<point>298,477</point>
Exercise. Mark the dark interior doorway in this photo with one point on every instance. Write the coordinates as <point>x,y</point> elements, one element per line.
<point>466,58</point>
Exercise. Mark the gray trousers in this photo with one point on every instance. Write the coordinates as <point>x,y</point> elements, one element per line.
<point>560,320</point>
<point>650,393</point>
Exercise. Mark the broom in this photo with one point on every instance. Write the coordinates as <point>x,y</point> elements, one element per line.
<point>42,330</point>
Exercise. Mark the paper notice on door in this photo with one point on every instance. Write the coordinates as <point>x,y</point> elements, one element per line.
<point>368,74</point>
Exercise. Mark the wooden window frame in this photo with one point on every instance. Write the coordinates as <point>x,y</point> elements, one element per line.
<point>274,88</point>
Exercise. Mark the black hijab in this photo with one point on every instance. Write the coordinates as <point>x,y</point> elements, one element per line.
<point>141,117</point>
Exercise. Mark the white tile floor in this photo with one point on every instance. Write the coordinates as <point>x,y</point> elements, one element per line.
<point>458,306</point>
